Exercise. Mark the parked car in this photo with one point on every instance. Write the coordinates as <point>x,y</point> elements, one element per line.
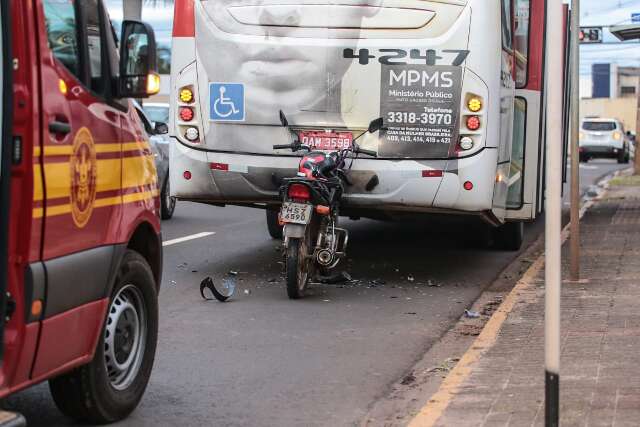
<point>157,131</point>
<point>80,243</point>
<point>604,138</point>
<point>157,112</point>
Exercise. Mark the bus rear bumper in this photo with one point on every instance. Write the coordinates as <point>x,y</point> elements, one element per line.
<point>408,185</point>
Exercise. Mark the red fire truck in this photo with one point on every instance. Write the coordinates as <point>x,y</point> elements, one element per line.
<point>80,244</point>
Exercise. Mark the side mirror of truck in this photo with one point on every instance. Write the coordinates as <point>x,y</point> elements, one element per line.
<point>138,61</point>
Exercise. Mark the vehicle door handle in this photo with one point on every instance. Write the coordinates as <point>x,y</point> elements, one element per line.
<point>60,128</point>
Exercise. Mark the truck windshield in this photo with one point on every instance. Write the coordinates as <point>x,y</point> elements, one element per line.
<point>599,126</point>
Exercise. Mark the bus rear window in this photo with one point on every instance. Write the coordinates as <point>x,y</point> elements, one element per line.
<point>599,126</point>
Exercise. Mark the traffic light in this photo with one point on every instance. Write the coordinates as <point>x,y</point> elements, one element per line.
<point>590,35</point>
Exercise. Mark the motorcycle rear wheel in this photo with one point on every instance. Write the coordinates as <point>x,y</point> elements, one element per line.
<point>297,268</point>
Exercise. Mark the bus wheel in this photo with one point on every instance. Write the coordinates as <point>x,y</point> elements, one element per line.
<point>622,157</point>
<point>110,387</point>
<point>167,203</point>
<point>509,236</point>
<point>275,229</point>
<point>583,158</point>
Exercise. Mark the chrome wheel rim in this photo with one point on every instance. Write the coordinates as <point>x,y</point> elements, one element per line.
<point>125,336</point>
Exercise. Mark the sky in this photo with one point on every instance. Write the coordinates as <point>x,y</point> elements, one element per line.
<point>159,17</point>
<point>593,13</point>
<point>604,13</point>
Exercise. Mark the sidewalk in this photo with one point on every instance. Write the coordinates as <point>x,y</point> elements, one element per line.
<point>600,361</point>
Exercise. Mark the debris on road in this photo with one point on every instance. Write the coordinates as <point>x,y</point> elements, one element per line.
<point>247,292</point>
<point>471,314</point>
<point>227,290</point>
<point>445,366</point>
<point>233,273</point>
<point>410,278</point>
<point>408,379</point>
<point>433,285</point>
<point>341,277</point>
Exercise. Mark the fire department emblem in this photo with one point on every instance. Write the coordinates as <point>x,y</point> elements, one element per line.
<point>83,177</point>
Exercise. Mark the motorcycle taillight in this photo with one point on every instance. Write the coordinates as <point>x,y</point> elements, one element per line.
<point>299,192</point>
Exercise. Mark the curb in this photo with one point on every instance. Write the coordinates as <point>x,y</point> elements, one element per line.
<point>450,386</point>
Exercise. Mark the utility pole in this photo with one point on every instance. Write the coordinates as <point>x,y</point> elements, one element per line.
<point>132,9</point>
<point>574,257</point>
<point>636,162</point>
<point>553,216</point>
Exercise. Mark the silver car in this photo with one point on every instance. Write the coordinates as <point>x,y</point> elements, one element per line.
<point>604,138</point>
<point>155,124</point>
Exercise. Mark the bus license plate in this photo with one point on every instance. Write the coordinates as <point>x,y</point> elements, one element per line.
<point>296,213</point>
<point>326,141</point>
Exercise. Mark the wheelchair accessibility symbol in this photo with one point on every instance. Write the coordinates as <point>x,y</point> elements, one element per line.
<point>227,101</point>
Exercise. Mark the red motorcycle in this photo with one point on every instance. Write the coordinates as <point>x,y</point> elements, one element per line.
<point>310,209</point>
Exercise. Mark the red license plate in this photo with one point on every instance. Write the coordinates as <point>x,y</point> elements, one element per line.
<point>326,141</point>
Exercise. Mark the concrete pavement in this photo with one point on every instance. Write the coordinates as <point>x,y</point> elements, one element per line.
<point>500,380</point>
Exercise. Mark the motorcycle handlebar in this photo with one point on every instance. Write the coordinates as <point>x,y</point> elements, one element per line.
<point>367,152</point>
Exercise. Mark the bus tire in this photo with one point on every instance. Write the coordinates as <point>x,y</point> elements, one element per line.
<point>167,203</point>
<point>273,225</point>
<point>583,158</point>
<point>510,236</point>
<point>104,392</point>
<point>622,157</point>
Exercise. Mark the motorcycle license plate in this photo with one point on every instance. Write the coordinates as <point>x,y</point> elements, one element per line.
<point>326,141</point>
<point>296,213</point>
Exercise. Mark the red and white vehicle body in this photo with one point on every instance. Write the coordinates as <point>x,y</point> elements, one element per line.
<point>457,94</point>
<point>79,208</point>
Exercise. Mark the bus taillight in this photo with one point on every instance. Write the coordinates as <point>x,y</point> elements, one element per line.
<point>186,114</point>
<point>186,95</point>
<point>474,104</point>
<point>473,123</point>
<point>466,143</point>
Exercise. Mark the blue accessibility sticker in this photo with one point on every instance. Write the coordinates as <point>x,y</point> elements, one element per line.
<point>227,102</point>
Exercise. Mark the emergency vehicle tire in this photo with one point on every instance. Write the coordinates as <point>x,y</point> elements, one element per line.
<point>167,203</point>
<point>275,229</point>
<point>510,236</point>
<point>110,387</point>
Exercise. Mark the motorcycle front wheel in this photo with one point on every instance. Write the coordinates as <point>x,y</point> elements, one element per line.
<point>298,265</point>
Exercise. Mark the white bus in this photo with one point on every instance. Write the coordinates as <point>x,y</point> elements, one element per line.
<point>459,84</point>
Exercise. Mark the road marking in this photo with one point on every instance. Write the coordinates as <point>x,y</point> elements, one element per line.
<point>187,238</point>
<point>450,387</point>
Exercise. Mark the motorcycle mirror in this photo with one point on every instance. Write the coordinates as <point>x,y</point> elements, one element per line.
<point>376,125</point>
<point>283,119</point>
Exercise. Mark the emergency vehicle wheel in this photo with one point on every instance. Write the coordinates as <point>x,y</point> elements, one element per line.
<point>110,387</point>
<point>167,203</point>
<point>275,229</point>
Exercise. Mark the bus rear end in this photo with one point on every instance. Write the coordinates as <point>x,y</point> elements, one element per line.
<point>438,72</point>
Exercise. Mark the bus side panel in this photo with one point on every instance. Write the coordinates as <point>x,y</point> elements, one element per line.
<point>534,96</point>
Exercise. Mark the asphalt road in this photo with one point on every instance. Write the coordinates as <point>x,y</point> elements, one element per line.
<point>263,360</point>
